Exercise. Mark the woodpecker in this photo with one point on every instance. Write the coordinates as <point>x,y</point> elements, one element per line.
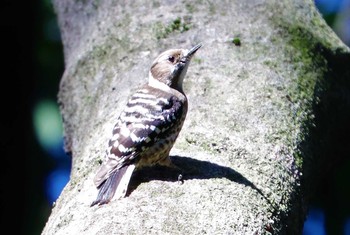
<point>148,126</point>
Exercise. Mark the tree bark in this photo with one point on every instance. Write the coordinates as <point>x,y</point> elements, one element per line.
<point>263,97</point>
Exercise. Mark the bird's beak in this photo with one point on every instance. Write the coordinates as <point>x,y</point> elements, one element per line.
<point>193,50</point>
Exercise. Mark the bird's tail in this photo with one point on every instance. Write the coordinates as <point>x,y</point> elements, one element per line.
<point>115,185</point>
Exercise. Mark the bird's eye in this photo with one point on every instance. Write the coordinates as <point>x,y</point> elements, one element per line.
<point>171,59</point>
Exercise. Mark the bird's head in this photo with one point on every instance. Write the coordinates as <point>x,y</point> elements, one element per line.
<point>170,68</point>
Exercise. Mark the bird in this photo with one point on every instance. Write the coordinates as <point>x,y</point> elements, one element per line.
<point>148,126</point>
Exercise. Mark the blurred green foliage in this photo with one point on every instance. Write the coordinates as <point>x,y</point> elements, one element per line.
<point>46,127</point>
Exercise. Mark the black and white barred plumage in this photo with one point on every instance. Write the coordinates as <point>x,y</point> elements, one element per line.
<point>149,125</point>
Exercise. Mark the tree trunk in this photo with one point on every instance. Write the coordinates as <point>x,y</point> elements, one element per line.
<point>263,97</point>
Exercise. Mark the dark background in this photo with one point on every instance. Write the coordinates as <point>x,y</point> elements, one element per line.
<point>33,172</point>
<point>31,67</point>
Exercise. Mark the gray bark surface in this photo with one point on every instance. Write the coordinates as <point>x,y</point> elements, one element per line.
<point>260,94</point>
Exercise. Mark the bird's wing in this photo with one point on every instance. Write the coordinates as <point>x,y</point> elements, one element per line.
<point>140,125</point>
